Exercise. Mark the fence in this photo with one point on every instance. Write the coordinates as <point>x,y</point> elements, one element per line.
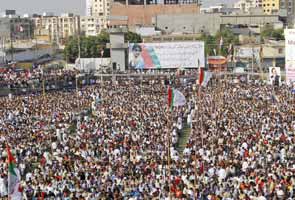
<point>73,82</point>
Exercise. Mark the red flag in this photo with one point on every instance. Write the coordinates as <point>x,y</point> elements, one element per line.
<point>201,75</point>
<point>201,168</point>
<point>170,96</point>
<point>43,161</point>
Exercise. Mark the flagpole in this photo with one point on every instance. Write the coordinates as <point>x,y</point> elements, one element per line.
<point>169,163</point>
<point>170,107</point>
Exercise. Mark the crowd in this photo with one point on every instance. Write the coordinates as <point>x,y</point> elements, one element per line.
<point>16,77</point>
<point>112,141</point>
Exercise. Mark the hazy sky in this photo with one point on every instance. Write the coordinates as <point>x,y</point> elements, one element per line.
<point>63,6</point>
<point>40,6</point>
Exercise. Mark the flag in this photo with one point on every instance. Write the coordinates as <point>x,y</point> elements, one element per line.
<point>201,75</point>
<point>230,49</point>
<point>175,98</point>
<point>261,54</point>
<point>14,189</point>
<point>214,51</point>
<point>204,77</point>
<point>43,161</point>
<point>220,42</point>
<point>201,168</point>
<point>207,77</point>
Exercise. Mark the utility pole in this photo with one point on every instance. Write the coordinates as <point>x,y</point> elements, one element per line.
<point>11,42</point>
<point>287,12</point>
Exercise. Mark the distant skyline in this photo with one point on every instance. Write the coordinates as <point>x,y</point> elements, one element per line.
<point>65,6</point>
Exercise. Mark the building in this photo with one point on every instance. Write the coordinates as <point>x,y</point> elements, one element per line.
<point>269,54</point>
<point>270,6</point>
<point>145,15</point>
<point>91,25</point>
<point>15,28</point>
<point>246,5</point>
<point>56,28</point>
<point>288,12</point>
<point>290,6</point>
<point>222,8</point>
<point>88,11</point>
<point>98,8</point>
<point>9,13</point>
<point>210,23</point>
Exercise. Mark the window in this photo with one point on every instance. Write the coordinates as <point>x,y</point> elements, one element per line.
<point>280,50</point>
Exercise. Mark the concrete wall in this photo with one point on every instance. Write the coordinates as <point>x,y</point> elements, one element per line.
<point>117,47</point>
<point>143,14</point>
<point>4,28</point>
<point>210,23</point>
<point>189,23</point>
<point>249,19</point>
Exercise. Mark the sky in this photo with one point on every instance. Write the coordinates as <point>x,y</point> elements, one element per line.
<point>64,6</point>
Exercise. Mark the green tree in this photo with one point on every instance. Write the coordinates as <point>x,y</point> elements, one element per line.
<point>229,38</point>
<point>132,37</point>
<point>268,32</point>
<point>212,43</point>
<point>91,47</point>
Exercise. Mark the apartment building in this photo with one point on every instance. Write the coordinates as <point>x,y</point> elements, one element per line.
<point>56,28</point>
<point>246,5</point>
<point>98,8</point>
<point>91,25</point>
<point>270,6</point>
<point>15,27</point>
<point>290,6</point>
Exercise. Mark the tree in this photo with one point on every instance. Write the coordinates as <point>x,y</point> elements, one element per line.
<point>90,47</point>
<point>268,32</point>
<point>212,43</point>
<point>229,38</point>
<point>132,37</point>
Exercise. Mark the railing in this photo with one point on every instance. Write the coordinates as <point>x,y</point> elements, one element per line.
<point>82,80</point>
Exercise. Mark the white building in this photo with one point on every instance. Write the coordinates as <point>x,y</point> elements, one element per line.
<point>56,28</point>
<point>88,11</point>
<point>246,5</point>
<point>91,25</point>
<point>98,8</point>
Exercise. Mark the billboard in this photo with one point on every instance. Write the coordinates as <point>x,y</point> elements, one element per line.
<point>166,55</point>
<point>248,52</point>
<point>290,55</point>
<point>275,75</point>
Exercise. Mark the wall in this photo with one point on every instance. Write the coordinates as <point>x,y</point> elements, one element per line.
<point>143,14</point>
<point>210,23</point>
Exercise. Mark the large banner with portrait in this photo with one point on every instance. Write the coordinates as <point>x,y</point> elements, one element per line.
<point>275,76</point>
<point>166,55</point>
<point>290,55</point>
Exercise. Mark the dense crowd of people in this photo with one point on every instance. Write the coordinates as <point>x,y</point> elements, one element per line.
<point>112,141</point>
<point>18,77</point>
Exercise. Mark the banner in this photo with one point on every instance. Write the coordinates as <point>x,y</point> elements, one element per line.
<point>248,52</point>
<point>166,55</point>
<point>275,76</point>
<point>290,55</point>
